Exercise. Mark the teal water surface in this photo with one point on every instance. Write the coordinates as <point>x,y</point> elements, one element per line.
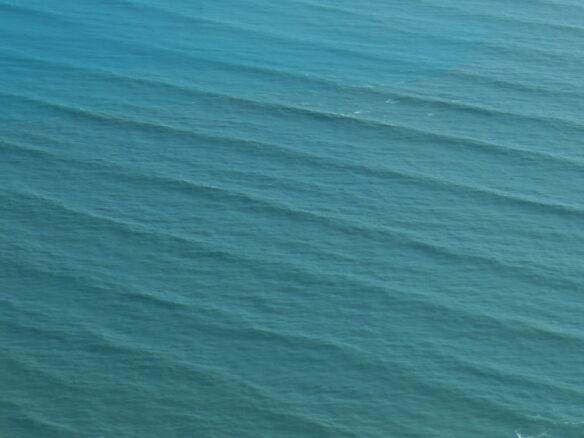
<point>306,218</point>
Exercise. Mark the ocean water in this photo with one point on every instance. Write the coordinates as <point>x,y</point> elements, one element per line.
<point>305,218</point>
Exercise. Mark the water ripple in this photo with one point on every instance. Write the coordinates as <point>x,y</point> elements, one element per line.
<point>443,139</point>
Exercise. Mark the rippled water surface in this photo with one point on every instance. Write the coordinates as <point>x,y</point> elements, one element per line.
<point>304,218</point>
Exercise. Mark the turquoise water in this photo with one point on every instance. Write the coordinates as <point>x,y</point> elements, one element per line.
<point>307,218</point>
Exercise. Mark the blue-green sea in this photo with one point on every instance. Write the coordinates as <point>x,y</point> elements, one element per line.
<point>295,218</point>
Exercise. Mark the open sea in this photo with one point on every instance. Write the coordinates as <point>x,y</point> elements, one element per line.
<point>296,218</point>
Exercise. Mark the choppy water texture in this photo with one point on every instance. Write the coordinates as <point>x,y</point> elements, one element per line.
<point>303,218</point>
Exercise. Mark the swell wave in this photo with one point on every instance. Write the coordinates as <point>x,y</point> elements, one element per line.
<point>402,132</point>
<point>173,259</point>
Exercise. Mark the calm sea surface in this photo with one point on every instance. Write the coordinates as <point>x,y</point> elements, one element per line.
<point>299,218</point>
